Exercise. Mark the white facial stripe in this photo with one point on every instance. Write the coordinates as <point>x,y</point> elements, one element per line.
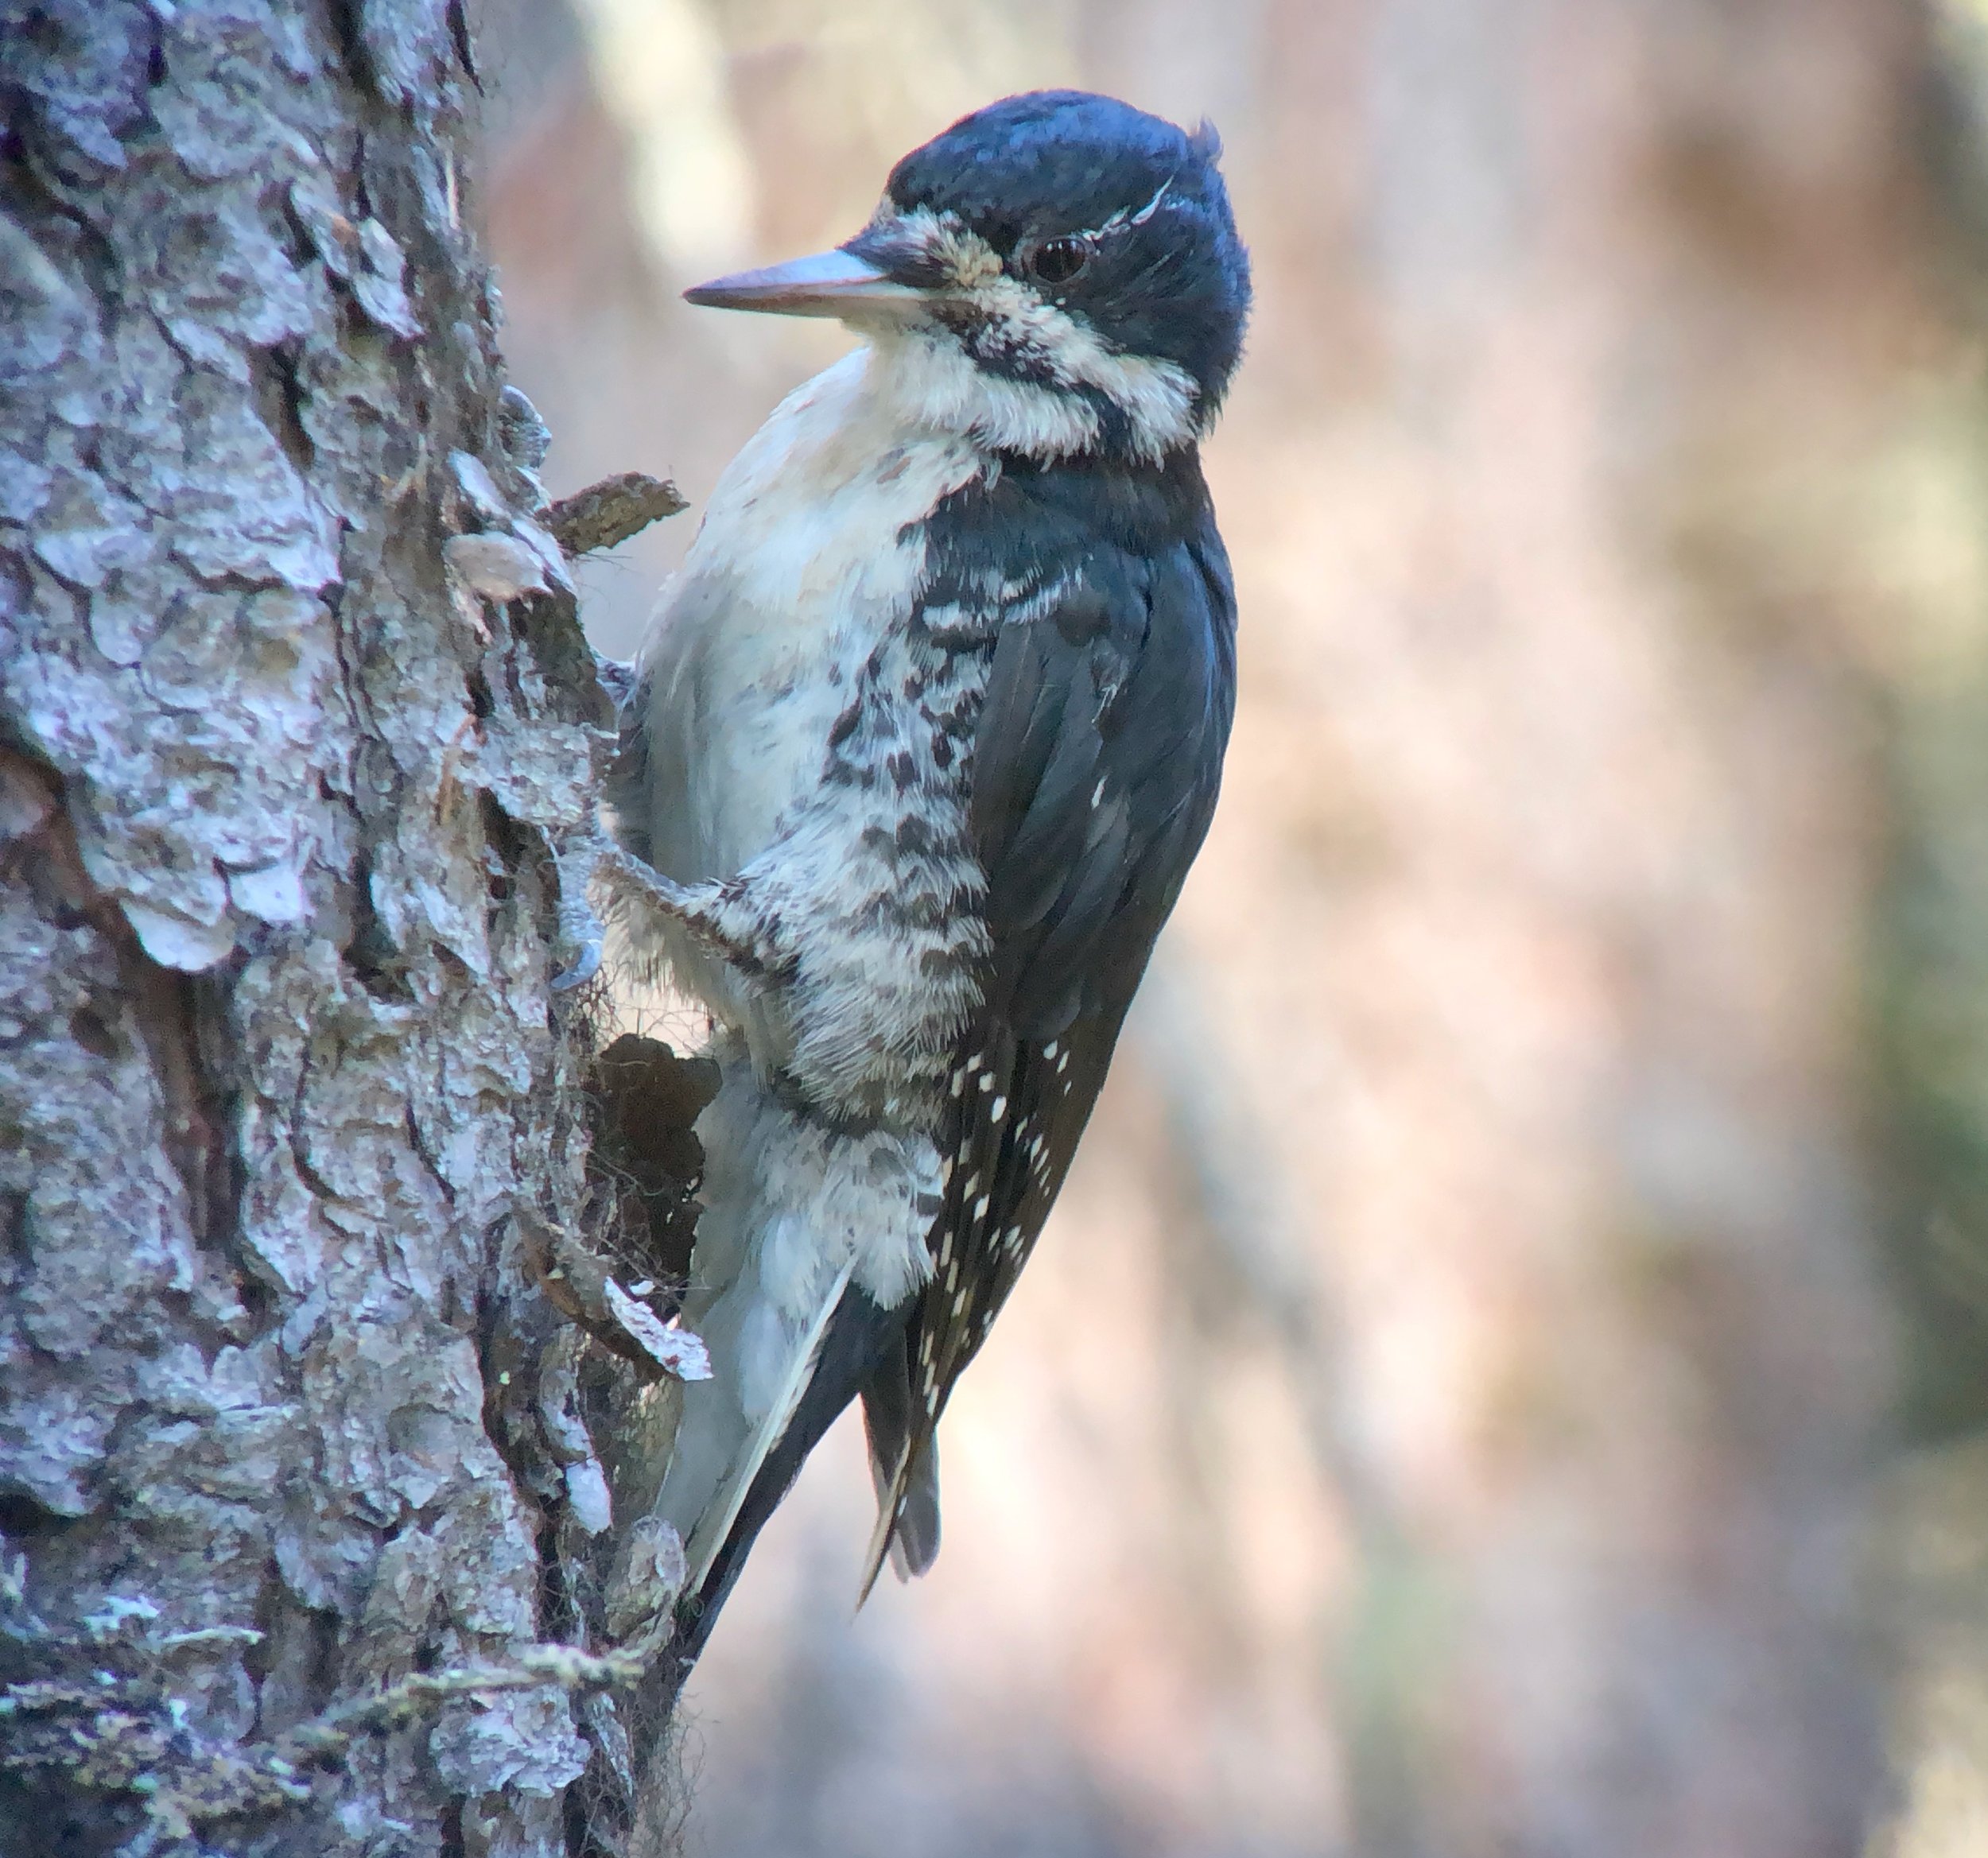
<point>941,383</point>
<point>968,259</point>
<point>1144,213</point>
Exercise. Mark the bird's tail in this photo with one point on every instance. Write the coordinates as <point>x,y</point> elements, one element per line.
<point>907,1495</point>
<point>785,1280</point>
<point>854,1333</point>
<point>797,1374</point>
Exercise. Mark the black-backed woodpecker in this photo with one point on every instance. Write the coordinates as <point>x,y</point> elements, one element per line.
<point>924,738</point>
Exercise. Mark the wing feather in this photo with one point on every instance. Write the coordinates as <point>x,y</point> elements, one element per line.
<point>1096,761</point>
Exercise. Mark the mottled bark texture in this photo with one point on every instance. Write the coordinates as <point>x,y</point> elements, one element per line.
<point>299,1502</point>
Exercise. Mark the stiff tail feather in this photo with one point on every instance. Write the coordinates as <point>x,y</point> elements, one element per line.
<point>857,1337</point>
<point>714,1529</point>
<point>911,1503</point>
<point>906,1534</point>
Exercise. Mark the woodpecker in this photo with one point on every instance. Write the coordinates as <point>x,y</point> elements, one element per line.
<point>922,741</point>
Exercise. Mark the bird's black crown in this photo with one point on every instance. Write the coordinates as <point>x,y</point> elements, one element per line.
<point>1114,216</point>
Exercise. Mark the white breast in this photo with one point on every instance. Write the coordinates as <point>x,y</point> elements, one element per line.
<point>809,551</point>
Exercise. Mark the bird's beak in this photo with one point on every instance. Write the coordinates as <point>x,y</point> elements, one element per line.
<point>827,284</point>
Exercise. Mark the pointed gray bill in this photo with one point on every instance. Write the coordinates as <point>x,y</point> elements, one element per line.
<point>826,284</point>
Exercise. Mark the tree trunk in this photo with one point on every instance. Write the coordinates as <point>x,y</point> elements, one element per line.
<point>301,1518</point>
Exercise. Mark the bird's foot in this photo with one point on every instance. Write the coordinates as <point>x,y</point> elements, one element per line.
<point>581,934</point>
<point>617,679</point>
<point>709,913</point>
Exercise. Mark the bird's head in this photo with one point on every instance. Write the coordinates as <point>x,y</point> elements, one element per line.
<point>1057,273</point>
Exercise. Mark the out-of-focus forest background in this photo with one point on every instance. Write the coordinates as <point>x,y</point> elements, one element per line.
<point>1510,1372</point>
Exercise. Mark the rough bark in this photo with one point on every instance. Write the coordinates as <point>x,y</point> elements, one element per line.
<point>294,709</point>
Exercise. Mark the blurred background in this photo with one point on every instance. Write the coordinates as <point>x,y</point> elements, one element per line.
<point>1509,1375</point>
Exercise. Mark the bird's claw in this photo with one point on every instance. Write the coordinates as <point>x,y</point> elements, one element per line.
<point>580,932</point>
<point>617,678</point>
<point>587,964</point>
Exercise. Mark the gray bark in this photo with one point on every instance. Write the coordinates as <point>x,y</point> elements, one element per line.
<point>301,1515</point>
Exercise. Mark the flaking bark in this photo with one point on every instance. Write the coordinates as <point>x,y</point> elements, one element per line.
<point>297,1480</point>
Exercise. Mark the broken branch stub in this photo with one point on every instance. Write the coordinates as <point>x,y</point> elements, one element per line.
<point>606,514</point>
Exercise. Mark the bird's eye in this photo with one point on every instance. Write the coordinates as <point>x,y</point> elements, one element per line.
<point>1057,261</point>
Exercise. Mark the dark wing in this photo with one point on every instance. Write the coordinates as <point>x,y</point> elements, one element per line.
<point>1096,762</point>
